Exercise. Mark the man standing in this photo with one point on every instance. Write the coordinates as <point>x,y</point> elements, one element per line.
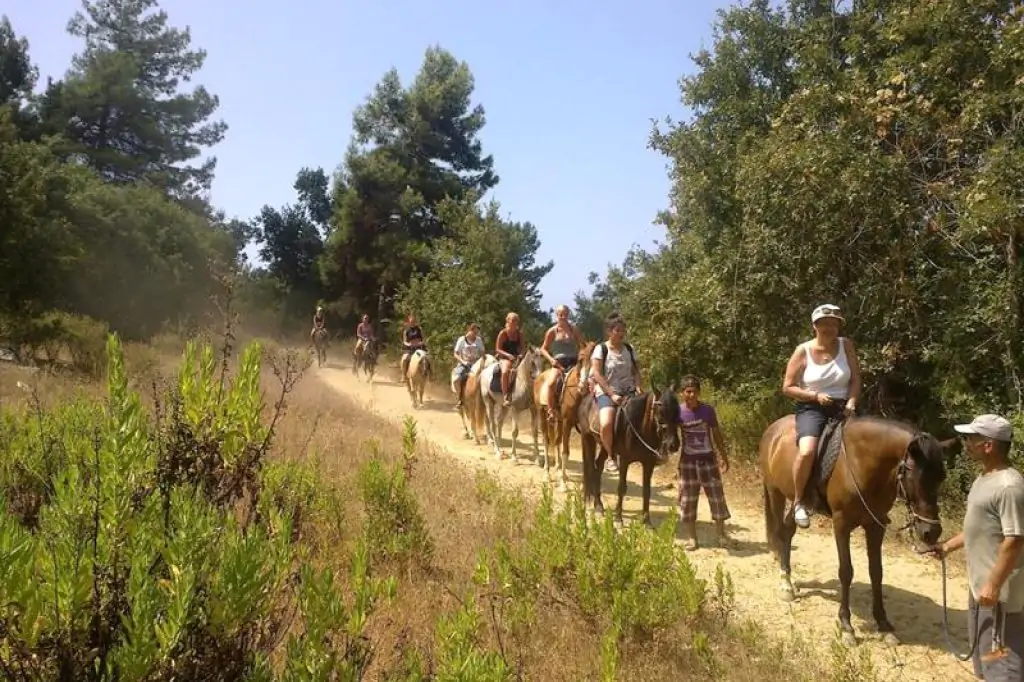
<point>993,537</point>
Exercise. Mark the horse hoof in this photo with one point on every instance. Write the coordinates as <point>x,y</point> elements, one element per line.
<point>787,594</point>
<point>890,640</point>
<point>467,436</point>
<point>848,639</point>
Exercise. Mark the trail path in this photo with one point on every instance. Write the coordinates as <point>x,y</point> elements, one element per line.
<point>913,585</point>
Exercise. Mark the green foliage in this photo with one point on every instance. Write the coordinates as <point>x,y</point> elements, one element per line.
<point>629,584</point>
<point>843,154</point>
<point>483,270</point>
<point>393,524</point>
<point>128,552</point>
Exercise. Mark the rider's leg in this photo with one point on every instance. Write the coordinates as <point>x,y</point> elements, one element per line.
<point>802,467</point>
<point>549,389</point>
<point>506,377</point>
<point>606,418</point>
<point>405,362</point>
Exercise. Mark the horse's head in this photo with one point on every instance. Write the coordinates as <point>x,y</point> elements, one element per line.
<point>533,360</point>
<point>919,477</point>
<point>666,419</point>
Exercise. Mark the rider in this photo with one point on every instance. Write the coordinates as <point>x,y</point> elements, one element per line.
<point>616,375</point>
<point>823,377</point>
<point>561,347</point>
<point>318,322</point>
<point>468,349</point>
<point>412,339</point>
<point>508,347</point>
<point>364,334</point>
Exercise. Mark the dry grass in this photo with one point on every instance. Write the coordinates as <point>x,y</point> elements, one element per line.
<point>465,513</point>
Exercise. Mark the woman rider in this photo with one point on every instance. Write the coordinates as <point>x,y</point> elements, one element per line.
<point>823,377</point>
<point>615,377</point>
<point>561,347</point>
<point>412,339</point>
<point>318,322</point>
<point>508,347</point>
<point>364,333</point>
<point>468,349</point>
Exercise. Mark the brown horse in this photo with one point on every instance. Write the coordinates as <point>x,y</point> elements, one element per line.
<point>877,460</point>
<point>472,411</point>
<point>558,431</point>
<point>320,344</point>
<point>416,375</point>
<point>646,431</point>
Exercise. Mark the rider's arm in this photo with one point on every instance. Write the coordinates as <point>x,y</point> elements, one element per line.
<point>578,335</point>
<point>854,362</point>
<point>791,383</point>
<point>502,335</point>
<point>545,347</point>
<point>460,346</point>
<point>595,372</point>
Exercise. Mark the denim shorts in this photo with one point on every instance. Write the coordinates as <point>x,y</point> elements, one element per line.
<point>811,417</point>
<point>604,401</point>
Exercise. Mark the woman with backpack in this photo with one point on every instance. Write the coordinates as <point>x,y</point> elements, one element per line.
<point>616,375</point>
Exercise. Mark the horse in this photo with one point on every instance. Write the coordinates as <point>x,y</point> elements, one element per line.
<point>472,410</point>
<point>558,432</point>
<point>521,398</point>
<point>320,343</point>
<point>646,431</point>
<point>416,376</point>
<point>882,459</point>
<point>366,356</point>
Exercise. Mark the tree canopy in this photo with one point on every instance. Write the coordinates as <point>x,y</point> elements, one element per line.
<point>867,154</point>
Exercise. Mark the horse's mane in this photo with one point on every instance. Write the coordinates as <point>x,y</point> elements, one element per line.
<point>929,447</point>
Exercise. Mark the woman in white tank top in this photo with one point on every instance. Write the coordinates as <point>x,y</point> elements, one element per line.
<point>823,377</point>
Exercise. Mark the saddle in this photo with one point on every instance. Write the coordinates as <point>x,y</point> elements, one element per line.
<point>830,445</point>
<point>496,378</point>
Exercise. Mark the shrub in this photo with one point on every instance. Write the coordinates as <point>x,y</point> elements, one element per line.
<point>139,546</point>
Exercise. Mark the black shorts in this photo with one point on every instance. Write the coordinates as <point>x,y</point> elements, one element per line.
<point>811,417</point>
<point>566,363</point>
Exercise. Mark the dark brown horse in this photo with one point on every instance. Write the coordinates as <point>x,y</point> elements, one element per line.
<point>878,460</point>
<point>646,431</point>
<point>558,431</point>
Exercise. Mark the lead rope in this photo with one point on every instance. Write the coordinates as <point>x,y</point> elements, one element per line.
<point>973,641</point>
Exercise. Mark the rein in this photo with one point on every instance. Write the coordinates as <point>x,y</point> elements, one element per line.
<point>658,425</point>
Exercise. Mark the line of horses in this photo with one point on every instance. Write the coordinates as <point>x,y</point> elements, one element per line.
<point>880,460</point>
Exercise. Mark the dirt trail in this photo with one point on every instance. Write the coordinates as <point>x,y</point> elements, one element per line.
<point>913,586</point>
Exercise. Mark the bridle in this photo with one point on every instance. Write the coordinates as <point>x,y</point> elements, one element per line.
<point>903,471</point>
<point>659,424</point>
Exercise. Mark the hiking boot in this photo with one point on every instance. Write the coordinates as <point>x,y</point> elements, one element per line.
<point>801,515</point>
<point>508,402</point>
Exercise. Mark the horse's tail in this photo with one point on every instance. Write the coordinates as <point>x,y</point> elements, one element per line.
<point>771,524</point>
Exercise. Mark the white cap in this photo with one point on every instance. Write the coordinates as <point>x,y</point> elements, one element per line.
<point>826,310</point>
<point>990,426</point>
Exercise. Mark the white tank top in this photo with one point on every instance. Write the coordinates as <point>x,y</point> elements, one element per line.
<point>832,378</point>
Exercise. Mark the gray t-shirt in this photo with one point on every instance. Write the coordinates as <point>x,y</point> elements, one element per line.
<point>618,369</point>
<point>469,352</point>
<point>995,510</point>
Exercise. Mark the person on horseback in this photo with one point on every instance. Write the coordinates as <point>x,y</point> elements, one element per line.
<point>468,349</point>
<point>561,348</point>
<point>508,347</point>
<point>412,340</point>
<point>616,376</point>
<point>364,334</point>
<point>823,377</point>
<point>319,319</point>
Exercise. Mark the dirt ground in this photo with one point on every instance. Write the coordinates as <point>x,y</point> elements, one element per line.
<point>913,585</point>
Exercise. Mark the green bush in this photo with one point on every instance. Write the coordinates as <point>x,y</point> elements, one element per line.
<point>152,547</point>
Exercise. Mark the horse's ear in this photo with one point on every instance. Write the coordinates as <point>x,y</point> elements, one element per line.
<point>950,445</point>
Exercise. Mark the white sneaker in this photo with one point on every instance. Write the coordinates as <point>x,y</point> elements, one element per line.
<point>803,519</point>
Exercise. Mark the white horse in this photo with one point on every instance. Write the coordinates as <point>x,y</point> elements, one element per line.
<point>521,398</point>
<point>472,411</point>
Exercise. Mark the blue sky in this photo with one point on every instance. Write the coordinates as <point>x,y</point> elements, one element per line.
<point>569,90</point>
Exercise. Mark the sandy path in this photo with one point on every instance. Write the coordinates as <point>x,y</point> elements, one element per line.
<point>912,583</point>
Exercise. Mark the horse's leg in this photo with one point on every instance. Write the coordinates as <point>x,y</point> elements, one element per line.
<point>842,537</point>
<point>784,528</point>
<point>874,535</point>
<point>598,476</point>
<point>564,434</point>
<point>535,418</point>
<point>622,489</point>
<point>515,435</point>
<point>648,473</point>
<point>587,458</point>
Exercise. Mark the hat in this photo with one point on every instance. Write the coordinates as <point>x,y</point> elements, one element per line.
<point>990,426</point>
<point>826,310</point>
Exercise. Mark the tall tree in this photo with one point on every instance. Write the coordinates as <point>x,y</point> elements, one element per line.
<point>17,77</point>
<point>313,189</point>
<point>414,147</point>
<point>121,107</point>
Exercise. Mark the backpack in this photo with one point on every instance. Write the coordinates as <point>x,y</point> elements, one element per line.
<point>604,354</point>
